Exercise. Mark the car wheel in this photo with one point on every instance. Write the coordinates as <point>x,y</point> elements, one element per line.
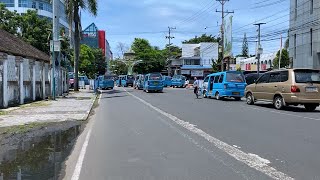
<point>310,107</point>
<point>249,99</point>
<point>278,102</point>
<point>204,94</point>
<point>237,98</point>
<point>217,96</point>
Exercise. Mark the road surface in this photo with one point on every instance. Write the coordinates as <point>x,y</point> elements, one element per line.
<point>172,135</point>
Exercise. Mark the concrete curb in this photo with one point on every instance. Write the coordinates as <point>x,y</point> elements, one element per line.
<point>86,117</point>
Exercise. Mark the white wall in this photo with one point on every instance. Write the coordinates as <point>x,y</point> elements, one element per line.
<point>208,51</point>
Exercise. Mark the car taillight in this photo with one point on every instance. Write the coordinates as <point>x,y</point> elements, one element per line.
<point>295,89</point>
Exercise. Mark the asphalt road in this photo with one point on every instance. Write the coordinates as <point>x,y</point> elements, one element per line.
<point>172,135</point>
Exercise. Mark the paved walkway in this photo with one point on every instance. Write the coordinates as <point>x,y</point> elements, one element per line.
<point>76,106</point>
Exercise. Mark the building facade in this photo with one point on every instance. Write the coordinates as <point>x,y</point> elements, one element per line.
<point>304,33</point>
<point>44,8</point>
<point>250,64</point>
<point>196,60</point>
<point>96,38</point>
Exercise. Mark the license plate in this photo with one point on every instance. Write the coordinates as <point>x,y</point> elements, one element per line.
<point>311,89</point>
<point>235,93</point>
<point>155,83</point>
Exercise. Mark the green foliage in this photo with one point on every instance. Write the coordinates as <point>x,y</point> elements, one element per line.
<point>153,59</point>
<point>202,38</point>
<point>284,59</point>
<point>118,67</point>
<point>216,65</point>
<point>9,21</point>
<point>174,51</point>
<point>92,61</point>
<point>32,28</point>
<point>245,47</point>
<point>35,30</point>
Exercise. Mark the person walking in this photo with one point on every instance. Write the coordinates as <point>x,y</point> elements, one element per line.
<point>196,87</point>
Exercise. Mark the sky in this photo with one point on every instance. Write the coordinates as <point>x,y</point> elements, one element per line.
<point>124,20</point>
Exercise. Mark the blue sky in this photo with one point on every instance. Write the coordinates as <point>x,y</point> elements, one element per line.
<point>124,20</point>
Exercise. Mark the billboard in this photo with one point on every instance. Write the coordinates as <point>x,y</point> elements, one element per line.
<point>228,37</point>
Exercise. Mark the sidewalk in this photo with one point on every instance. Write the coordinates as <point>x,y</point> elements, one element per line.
<point>74,107</point>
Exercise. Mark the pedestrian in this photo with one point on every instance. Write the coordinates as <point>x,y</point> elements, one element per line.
<point>196,87</point>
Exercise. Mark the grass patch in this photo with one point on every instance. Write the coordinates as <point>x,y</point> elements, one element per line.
<point>23,128</point>
<point>2,113</point>
<point>36,104</point>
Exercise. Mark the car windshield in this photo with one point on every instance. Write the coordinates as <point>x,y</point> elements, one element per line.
<point>235,77</point>
<point>307,76</point>
<point>108,77</point>
<point>71,76</point>
<point>155,77</point>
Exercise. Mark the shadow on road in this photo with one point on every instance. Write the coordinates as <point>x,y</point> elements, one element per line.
<point>113,91</point>
<point>110,97</point>
<point>288,108</point>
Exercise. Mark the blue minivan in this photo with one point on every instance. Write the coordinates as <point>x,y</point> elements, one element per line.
<point>153,82</point>
<point>167,81</point>
<point>178,81</point>
<point>225,84</point>
<point>105,82</point>
<point>126,80</point>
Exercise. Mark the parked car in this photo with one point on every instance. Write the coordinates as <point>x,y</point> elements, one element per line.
<point>252,77</point>
<point>167,81</point>
<point>126,80</point>
<point>153,82</point>
<point>287,87</point>
<point>85,79</point>
<point>105,82</point>
<point>178,81</point>
<point>138,82</point>
<point>225,84</point>
<point>71,79</point>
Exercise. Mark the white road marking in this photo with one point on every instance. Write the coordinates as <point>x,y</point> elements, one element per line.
<point>251,160</point>
<point>77,170</point>
<point>78,167</point>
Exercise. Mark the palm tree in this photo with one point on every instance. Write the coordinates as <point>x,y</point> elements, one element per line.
<point>73,13</point>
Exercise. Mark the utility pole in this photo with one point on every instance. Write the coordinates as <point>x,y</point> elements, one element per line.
<point>169,37</point>
<point>55,30</point>
<point>223,15</point>
<point>259,49</point>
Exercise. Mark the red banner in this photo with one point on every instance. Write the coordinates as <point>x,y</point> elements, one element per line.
<point>102,41</point>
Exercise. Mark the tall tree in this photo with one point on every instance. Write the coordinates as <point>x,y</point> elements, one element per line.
<point>35,30</point>
<point>202,38</point>
<point>9,21</point>
<point>73,13</point>
<point>284,59</point>
<point>122,48</point>
<point>245,46</point>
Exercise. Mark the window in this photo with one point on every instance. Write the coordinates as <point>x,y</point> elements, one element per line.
<point>307,76</point>
<point>34,5</point>
<point>235,77</point>
<point>216,79</point>
<point>23,3</point>
<point>206,79</point>
<point>263,79</point>
<point>275,77</point>
<point>211,82</point>
<point>8,3</point>
<point>261,62</point>
<point>295,46</point>
<point>41,5</point>
<point>221,78</point>
<point>284,76</point>
<point>311,48</point>
<point>311,6</point>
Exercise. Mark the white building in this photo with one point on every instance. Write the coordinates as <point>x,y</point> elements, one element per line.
<point>250,64</point>
<point>44,8</point>
<point>196,60</point>
<point>304,33</point>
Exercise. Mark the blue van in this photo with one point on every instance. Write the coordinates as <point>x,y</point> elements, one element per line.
<point>153,82</point>
<point>105,82</point>
<point>225,84</point>
<point>126,80</point>
<point>138,82</point>
<point>178,81</point>
<point>167,81</point>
